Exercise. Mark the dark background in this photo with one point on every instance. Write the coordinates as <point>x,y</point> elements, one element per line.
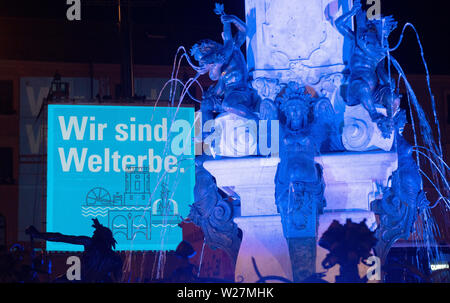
<point>39,30</point>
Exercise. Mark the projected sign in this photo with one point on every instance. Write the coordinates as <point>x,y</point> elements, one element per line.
<point>131,167</point>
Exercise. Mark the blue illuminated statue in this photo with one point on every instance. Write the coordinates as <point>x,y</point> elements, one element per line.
<point>226,65</point>
<point>397,209</point>
<point>368,82</point>
<point>299,183</point>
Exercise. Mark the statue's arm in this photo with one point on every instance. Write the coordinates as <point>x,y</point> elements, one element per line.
<point>58,237</point>
<point>230,42</point>
<point>241,35</point>
<point>342,21</point>
<point>227,34</point>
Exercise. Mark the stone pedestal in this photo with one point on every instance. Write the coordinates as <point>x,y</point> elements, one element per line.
<point>253,180</point>
<point>238,136</point>
<point>351,183</point>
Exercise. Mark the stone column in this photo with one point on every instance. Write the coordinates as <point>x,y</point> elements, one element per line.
<point>297,41</point>
<point>253,180</point>
<point>351,183</point>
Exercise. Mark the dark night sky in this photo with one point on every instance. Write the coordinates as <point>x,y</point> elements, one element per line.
<point>38,30</point>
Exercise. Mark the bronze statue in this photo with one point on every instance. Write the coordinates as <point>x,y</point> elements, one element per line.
<point>226,65</point>
<point>299,183</point>
<point>214,214</point>
<point>368,82</point>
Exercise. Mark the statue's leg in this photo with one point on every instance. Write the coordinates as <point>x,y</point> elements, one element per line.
<point>239,103</point>
<point>207,108</point>
<point>360,91</point>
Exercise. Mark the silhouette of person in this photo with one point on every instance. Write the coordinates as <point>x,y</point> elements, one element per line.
<point>186,271</point>
<point>99,262</point>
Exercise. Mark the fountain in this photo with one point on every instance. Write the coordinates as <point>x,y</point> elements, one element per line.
<point>335,125</point>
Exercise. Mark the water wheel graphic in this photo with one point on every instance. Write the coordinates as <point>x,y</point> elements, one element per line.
<point>98,195</point>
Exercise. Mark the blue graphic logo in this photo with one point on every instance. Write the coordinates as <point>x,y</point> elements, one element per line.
<point>131,167</point>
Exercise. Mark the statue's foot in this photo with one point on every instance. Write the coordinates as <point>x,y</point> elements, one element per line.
<point>386,126</point>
